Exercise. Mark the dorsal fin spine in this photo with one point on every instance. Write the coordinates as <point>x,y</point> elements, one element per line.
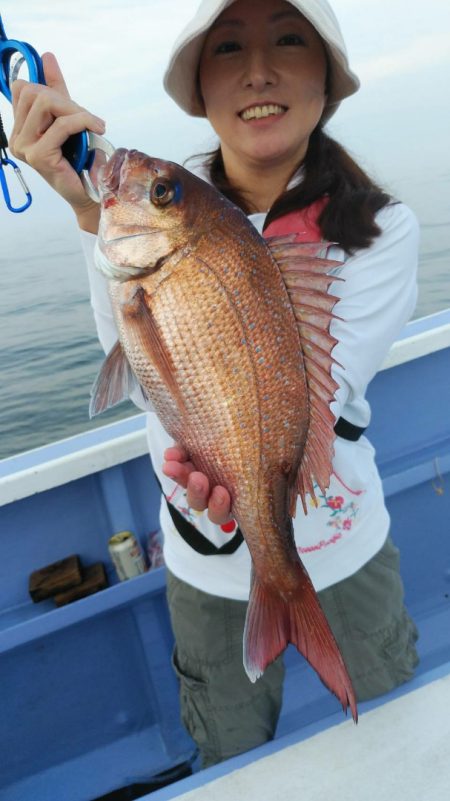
<point>298,263</point>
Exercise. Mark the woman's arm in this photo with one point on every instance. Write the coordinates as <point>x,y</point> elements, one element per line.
<point>377,298</point>
<point>100,301</point>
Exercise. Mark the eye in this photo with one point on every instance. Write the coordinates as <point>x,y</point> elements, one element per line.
<point>227,47</point>
<point>162,192</point>
<point>291,39</point>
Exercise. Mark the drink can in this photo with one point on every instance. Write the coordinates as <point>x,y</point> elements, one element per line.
<point>127,555</point>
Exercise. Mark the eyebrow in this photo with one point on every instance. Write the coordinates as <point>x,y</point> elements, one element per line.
<point>279,15</point>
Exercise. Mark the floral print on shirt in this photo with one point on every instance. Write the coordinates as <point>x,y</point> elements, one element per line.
<point>342,514</point>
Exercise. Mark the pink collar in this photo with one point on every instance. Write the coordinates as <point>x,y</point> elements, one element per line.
<point>302,222</point>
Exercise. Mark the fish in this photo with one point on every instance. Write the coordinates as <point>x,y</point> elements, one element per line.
<point>227,335</point>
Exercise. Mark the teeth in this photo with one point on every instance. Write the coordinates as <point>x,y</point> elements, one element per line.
<point>257,112</point>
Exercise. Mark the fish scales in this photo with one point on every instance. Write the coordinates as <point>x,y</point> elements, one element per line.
<point>199,341</point>
<point>228,418</point>
<point>237,348</point>
<point>272,336</point>
<point>208,327</point>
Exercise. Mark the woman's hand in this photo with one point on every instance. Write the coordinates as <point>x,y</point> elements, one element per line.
<point>199,494</point>
<point>44,118</point>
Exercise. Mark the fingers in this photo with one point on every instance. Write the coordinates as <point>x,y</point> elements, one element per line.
<point>39,109</point>
<point>36,107</point>
<point>200,497</point>
<point>196,484</point>
<point>219,506</point>
<point>177,453</point>
<point>53,75</point>
<point>198,492</point>
<point>178,471</point>
<point>44,154</point>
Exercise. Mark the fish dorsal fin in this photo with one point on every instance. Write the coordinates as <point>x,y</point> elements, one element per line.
<point>306,275</point>
<point>114,383</point>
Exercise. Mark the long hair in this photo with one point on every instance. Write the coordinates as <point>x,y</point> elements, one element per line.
<point>328,170</point>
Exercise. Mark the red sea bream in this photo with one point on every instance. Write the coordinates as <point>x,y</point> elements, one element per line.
<point>228,336</point>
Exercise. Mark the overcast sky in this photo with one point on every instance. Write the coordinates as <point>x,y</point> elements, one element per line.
<point>113,55</point>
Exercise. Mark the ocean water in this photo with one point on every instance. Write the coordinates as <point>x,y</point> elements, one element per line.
<point>49,353</point>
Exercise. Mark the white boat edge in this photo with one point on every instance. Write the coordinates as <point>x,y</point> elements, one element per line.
<point>386,736</point>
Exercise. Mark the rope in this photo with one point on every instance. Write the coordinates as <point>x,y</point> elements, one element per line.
<point>3,137</point>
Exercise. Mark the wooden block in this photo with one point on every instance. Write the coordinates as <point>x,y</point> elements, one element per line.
<point>94,579</point>
<point>54,578</point>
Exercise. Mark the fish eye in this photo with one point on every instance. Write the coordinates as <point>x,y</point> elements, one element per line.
<point>162,192</point>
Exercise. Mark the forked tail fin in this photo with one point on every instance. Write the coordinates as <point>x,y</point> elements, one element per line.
<point>272,622</point>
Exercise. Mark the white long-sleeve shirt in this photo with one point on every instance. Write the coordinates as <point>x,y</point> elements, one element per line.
<point>350,524</point>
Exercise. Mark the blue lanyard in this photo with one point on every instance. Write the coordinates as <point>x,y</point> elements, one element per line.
<point>8,48</point>
<point>77,150</point>
<point>27,53</point>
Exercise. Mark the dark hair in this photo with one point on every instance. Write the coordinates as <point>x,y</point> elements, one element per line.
<point>347,219</point>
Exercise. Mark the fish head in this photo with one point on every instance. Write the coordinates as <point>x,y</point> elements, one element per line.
<point>147,209</point>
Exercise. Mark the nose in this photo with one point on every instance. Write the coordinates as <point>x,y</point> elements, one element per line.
<point>259,72</point>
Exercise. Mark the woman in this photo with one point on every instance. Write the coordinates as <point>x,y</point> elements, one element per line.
<point>268,74</point>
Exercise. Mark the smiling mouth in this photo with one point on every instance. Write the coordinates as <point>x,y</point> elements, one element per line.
<point>260,112</point>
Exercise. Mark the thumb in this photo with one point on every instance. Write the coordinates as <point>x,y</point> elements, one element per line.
<point>53,74</point>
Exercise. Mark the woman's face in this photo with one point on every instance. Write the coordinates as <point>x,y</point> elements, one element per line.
<point>262,78</point>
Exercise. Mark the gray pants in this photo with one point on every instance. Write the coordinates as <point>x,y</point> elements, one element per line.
<point>224,712</point>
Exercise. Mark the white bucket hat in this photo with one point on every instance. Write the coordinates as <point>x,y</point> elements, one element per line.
<point>180,79</point>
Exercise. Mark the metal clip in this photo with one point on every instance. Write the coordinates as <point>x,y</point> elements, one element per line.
<point>4,162</point>
<point>100,144</point>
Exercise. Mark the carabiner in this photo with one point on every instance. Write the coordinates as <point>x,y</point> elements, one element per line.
<point>4,162</point>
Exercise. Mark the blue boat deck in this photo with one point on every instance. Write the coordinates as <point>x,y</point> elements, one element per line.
<point>88,698</point>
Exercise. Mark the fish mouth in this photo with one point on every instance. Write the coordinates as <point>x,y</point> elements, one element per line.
<point>118,272</point>
<point>258,111</point>
<point>114,176</point>
<point>109,174</point>
<point>119,237</point>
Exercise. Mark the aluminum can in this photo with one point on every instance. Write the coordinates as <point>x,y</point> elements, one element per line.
<point>127,555</point>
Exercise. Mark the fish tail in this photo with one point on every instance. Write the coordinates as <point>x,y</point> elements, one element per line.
<point>273,622</point>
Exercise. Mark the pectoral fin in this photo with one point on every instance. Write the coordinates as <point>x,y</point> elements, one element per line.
<point>149,339</point>
<point>114,383</point>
